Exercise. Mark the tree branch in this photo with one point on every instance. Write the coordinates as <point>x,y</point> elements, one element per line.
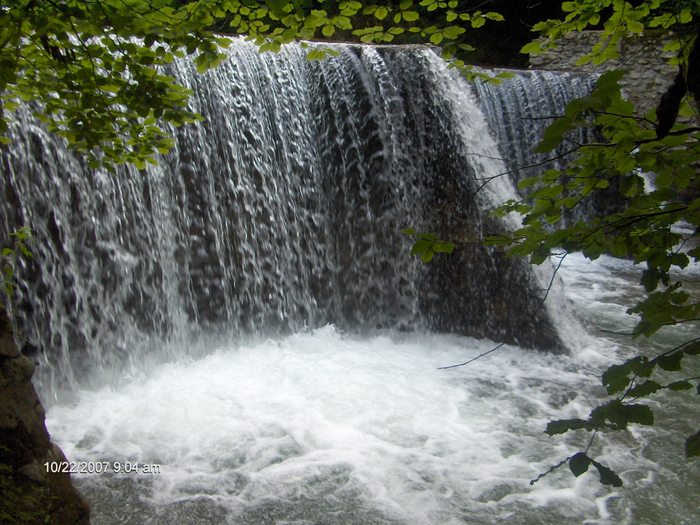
<point>472,359</point>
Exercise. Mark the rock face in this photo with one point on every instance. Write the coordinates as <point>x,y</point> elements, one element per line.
<point>648,73</point>
<point>28,493</point>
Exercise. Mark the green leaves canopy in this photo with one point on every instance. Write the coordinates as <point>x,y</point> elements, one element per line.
<point>646,228</point>
<point>93,69</point>
<point>617,18</point>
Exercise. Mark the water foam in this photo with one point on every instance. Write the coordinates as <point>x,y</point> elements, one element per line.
<point>323,420</point>
<point>331,427</point>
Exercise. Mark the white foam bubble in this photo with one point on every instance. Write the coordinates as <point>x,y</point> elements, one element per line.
<point>325,427</point>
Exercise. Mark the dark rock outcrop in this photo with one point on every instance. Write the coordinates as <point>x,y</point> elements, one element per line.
<point>29,493</point>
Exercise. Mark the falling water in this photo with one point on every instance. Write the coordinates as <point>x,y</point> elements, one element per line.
<point>519,110</point>
<point>247,339</point>
<point>281,211</point>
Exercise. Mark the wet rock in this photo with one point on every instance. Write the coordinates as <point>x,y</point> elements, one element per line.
<point>29,491</point>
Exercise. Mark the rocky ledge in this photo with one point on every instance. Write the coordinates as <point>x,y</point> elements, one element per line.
<point>29,493</point>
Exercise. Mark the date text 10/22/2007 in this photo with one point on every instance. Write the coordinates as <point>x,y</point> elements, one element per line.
<point>101,467</point>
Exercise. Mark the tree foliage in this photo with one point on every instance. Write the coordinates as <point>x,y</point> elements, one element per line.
<point>652,161</point>
<point>426,245</point>
<point>617,19</point>
<point>94,70</point>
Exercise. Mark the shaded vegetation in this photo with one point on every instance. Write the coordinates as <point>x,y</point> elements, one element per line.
<point>92,70</point>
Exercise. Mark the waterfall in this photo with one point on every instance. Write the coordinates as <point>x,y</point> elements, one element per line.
<point>281,211</point>
<point>519,110</point>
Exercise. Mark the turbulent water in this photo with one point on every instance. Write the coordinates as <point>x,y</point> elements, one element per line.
<point>242,336</point>
<point>323,427</point>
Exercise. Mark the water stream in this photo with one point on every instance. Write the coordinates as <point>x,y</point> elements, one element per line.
<point>282,210</point>
<point>324,427</point>
<point>241,336</point>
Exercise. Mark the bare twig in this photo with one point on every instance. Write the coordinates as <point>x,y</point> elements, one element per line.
<point>472,359</point>
<point>551,281</point>
<point>550,470</point>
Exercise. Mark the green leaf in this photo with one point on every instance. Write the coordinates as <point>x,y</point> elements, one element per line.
<point>686,16</point>
<point>420,246</point>
<point>672,362</point>
<point>436,38</point>
<point>641,414</point>
<point>680,385</point>
<point>553,135</point>
<point>478,21</point>
<point>692,445</point>
<point>428,236</point>
<point>607,476</point>
<point>650,279</point>
<point>635,26</point>
<point>452,32</point>
<point>528,182</point>
<point>277,5</point>
<point>644,389</point>
<point>619,415</point>
<point>443,247</point>
<point>532,48</point>
<point>616,379</point>
<point>562,426</point>
<point>579,463</point>
<point>316,54</point>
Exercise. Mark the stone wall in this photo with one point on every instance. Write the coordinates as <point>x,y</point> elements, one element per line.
<point>642,57</point>
<point>28,493</point>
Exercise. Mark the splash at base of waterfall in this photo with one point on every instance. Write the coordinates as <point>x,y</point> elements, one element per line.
<point>284,209</point>
<point>326,427</point>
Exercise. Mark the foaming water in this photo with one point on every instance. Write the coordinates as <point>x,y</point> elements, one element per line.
<point>327,427</point>
<point>321,424</point>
